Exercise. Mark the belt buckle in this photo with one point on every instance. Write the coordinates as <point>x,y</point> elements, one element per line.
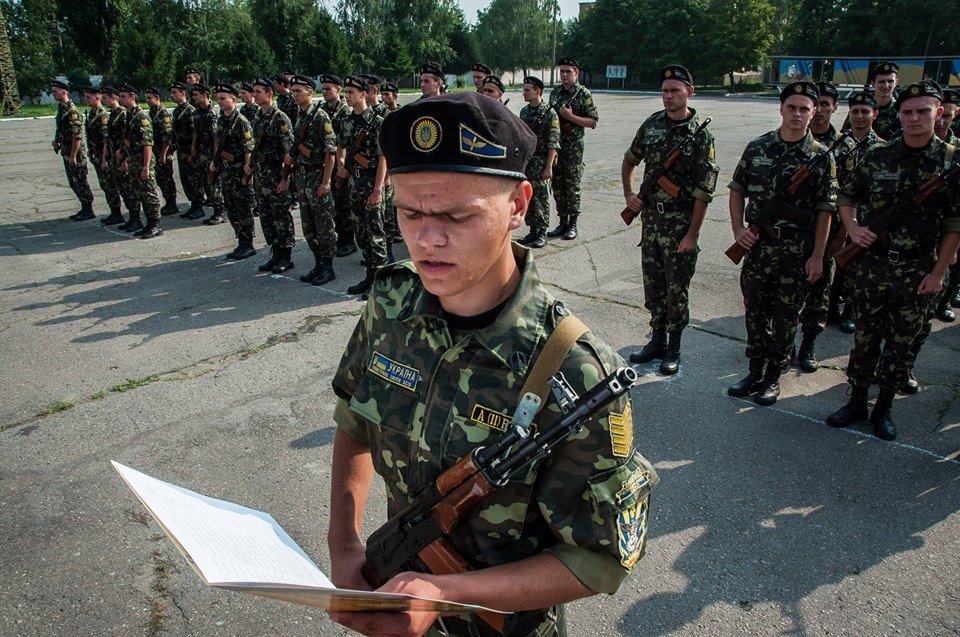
<point>356,173</point>
<point>659,207</point>
<point>776,232</point>
<point>893,256</point>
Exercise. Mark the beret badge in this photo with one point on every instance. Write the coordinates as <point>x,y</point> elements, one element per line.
<point>425,134</point>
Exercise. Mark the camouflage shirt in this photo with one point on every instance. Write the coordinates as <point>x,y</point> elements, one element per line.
<point>288,105</point>
<point>545,124</point>
<point>138,131</point>
<point>116,127</point>
<point>694,172</point>
<point>581,101</point>
<point>162,125</point>
<point>319,139</point>
<point>249,111</point>
<point>422,397</point>
<point>891,171</point>
<point>336,111</point>
<point>351,128</point>
<point>274,137</point>
<point>849,159</point>
<point>238,139</point>
<point>69,128</point>
<point>98,130</point>
<point>204,122</point>
<point>182,124</point>
<point>767,166</point>
<point>887,124</point>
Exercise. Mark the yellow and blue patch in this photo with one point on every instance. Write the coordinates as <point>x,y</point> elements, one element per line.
<point>621,431</point>
<point>632,517</point>
<point>473,144</point>
<point>425,134</point>
<point>394,372</point>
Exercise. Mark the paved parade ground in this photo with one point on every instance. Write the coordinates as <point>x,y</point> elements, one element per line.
<point>206,373</point>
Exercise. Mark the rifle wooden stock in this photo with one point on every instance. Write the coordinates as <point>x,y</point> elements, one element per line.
<point>736,252</point>
<point>848,254</point>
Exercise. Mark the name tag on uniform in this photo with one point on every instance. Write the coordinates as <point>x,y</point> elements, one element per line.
<point>394,372</point>
<point>486,417</point>
<point>886,176</point>
<point>763,161</point>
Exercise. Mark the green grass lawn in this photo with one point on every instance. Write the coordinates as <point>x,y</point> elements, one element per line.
<point>41,110</point>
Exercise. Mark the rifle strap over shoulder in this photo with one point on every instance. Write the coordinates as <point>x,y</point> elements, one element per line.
<point>948,155</point>
<point>551,357</point>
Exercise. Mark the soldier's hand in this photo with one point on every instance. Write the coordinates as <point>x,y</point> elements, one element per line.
<point>930,285</point>
<point>287,160</point>
<point>212,166</point>
<point>103,164</point>
<point>72,161</point>
<point>814,269</point>
<point>547,173</point>
<point>123,167</point>
<point>566,113</point>
<point>56,146</point>
<point>342,173</point>
<point>863,237</point>
<point>145,174</point>
<point>283,186</point>
<point>247,169</point>
<point>375,197</point>
<point>688,244</point>
<point>323,190</point>
<point>408,624</point>
<point>192,158</point>
<point>744,237</point>
<point>634,202</point>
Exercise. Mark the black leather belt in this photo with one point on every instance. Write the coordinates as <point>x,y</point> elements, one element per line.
<point>683,206</point>
<point>897,256</point>
<point>519,625</point>
<point>789,232</point>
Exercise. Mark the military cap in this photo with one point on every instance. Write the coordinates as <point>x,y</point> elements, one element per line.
<point>951,96</point>
<point>265,82</point>
<point>246,86</point>
<point>493,79</point>
<point>883,67</point>
<point>280,78</point>
<point>372,80</point>
<point>432,68</point>
<point>864,98</point>
<point>228,88</point>
<point>676,72</point>
<point>108,90</point>
<point>200,87</point>
<point>828,89</point>
<point>152,90</point>
<point>482,68</point>
<point>92,89</point>
<point>804,88</point>
<point>536,81</point>
<point>457,132</point>
<point>126,88</point>
<point>328,78</point>
<point>192,71</point>
<point>180,86</point>
<point>569,62</point>
<point>390,87</point>
<point>303,80</point>
<point>356,82</point>
<point>287,73</point>
<point>60,84</point>
<point>926,88</point>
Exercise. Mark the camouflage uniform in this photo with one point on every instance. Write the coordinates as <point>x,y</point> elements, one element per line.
<point>288,105</point>
<point>569,169</point>
<point>249,111</point>
<point>666,272</point>
<point>773,280</point>
<point>588,506</point>
<point>183,128</point>
<point>890,313</point>
<point>116,127</point>
<point>545,124</point>
<point>887,124</point>
<point>163,133</point>
<point>336,111</point>
<point>204,124</point>
<point>137,135</point>
<point>97,132</point>
<point>391,230</point>
<point>367,219</point>
<point>316,214</point>
<point>237,197</point>
<point>274,137</point>
<point>69,128</point>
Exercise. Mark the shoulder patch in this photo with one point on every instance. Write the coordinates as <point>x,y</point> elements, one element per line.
<point>621,431</point>
<point>393,372</point>
<point>489,418</point>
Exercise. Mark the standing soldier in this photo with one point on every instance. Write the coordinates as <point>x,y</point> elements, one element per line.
<point>942,129</point>
<point>574,104</point>
<point>545,124</point>
<point>902,271</point>
<point>360,161</point>
<point>201,154</point>
<point>139,163</point>
<point>786,255</point>
<point>335,106</point>
<point>391,93</point>
<point>671,221</point>
<point>68,142</point>
<point>479,72</point>
<point>883,78</point>
<point>162,142</point>
<point>373,94</point>
<point>249,108</point>
<point>431,79</point>
<point>284,98</point>
<point>234,153</point>
<point>182,140</point>
<point>274,138</point>
<point>312,161</point>
<point>97,130</point>
<point>492,87</point>
<point>116,128</point>
<point>192,76</point>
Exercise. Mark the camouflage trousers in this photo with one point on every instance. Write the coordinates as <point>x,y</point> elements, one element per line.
<point>554,625</point>
<point>276,220</point>
<point>774,285</point>
<point>927,326</point>
<point>205,191</point>
<point>316,213</point>
<point>566,177</point>
<point>890,314</point>
<point>666,274</point>
<point>343,219</point>
<point>390,227</point>
<point>77,179</point>
<point>538,213</point>
<point>813,317</point>
<point>111,191</point>
<point>368,220</point>
<point>143,191</point>
<point>168,187</point>
<point>238,200</point>
<point>186,180</point>
<point>121,185</point>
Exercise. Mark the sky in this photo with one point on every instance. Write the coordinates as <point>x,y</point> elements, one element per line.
<point>568,9</point>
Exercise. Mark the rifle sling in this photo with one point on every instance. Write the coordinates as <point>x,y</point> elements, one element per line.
<point>551,357</point>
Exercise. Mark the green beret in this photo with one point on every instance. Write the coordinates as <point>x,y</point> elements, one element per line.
<point>864,98</point>
<point>569,62</point>
<point>457,132</point>
<point>676,72</point>
<point>303,80</point>
<point>883,67</point>
<point>228,88</point>
<point>536,81</point>
<point>926,88</point>
<point>804,88</point>
<point>828,89</point>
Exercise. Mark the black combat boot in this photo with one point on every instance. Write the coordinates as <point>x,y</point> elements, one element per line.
<point>86,212</point>
<point>151,231</point>
<point>134,223</point>
<point>571,232</point>
<point>113,218</point>
<point>169,207</point>
<point>346,245</point>
<point>274,259</point>
<point>312,274</point>
<point>326,273</point>
<point>192,209</point>
<point>670,364</point>
<point>769,389</point>
<point>806,359</point>
<point>560,230</point>
<point>529,237</point>
<point>284,263</point>
<point>244,250</point>
<point>363,286</point>
<point>656,348</point>
<point>539,239</point>
<point>751,383</point>
<point>854,411</point>
<point>215,219</point>
<point>944,312</point>
<point>847,323</point>
<point>196,212</point>
<point>883,426</point>
<point>910,386</point>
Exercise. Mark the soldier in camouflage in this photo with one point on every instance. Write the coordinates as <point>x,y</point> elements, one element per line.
<point>905,268</point>
<point>162,142</point>
<point>391,93</point>
<point>360,161</point>
<point>274,138</point>
<point>97,131</point>
<point>787,254</point>
<point>116,127</point>
<point>284,97</point>
<point>68,142</point>
<point>373,94</point>
<point>574,104</point>
<point>883,78</point>
<point>335,106</point>
<point>182,141</point>
<point>492,87</point>
<point>437,360</point>
<point>478,72</point>
<point>672,221</point>
<point>192,76</point>
<point>234,153</point>
<point>545,124</point>
<point>201,153</point>
<point>431,79</point>
<point>249,109</point>
<point>139,163</point>
<point>312,159</point>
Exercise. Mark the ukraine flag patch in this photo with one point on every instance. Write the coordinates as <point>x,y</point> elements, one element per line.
<point>471,143</point>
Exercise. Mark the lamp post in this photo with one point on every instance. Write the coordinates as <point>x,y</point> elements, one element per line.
<point>553,59</point>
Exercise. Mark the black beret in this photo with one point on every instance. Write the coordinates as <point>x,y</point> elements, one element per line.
<point>108,90</point>
<point>265,82</point>
<point>804,88</point>
<point>432,68</point>
<point>864,98</point>
<point>883,67</point>
<point>482,68</point>
<point>568,62</point>
<point>192,71</point>
<point>180,85</point>
<point>390,87</point>
<point>536,81</point>
<point>926,88</point>
<point>356,82</point>
<point>152,90</point>
<point>126,88</point>
<point>676,72</point>
<point>287,73</point>
<point>199,87</point>
<point>228,88</point>
<point>280,78</point>
<point>303,80</point>
<point>330,79</point>
<point>372,80</point>
<point>246,86</point>
<point>60,84</point>
<point>457,132</point>
<point>951,96</point>
<point>828,89</point>
<point>92,89</point>
<point>493,79</point>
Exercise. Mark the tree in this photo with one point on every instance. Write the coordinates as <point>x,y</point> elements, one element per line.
<point>466,48</point>
<point>516,34</point>
<point>395,61</point>
<point>148,57</point>
<point>328,51</point>
<point>92,26</point>
<point>29,25</point>
<point>734,36</point>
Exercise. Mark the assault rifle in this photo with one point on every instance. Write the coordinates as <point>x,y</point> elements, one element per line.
<point>563,103</point>
<point>298,146</point>
<point>356,158</point>
<point>218,152</point>
<point>761,222</point>
<point>659,176</point>
<point>245,180</point>
<point>896,211</point>
<point>197,134</point>
<point>439,507</point>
